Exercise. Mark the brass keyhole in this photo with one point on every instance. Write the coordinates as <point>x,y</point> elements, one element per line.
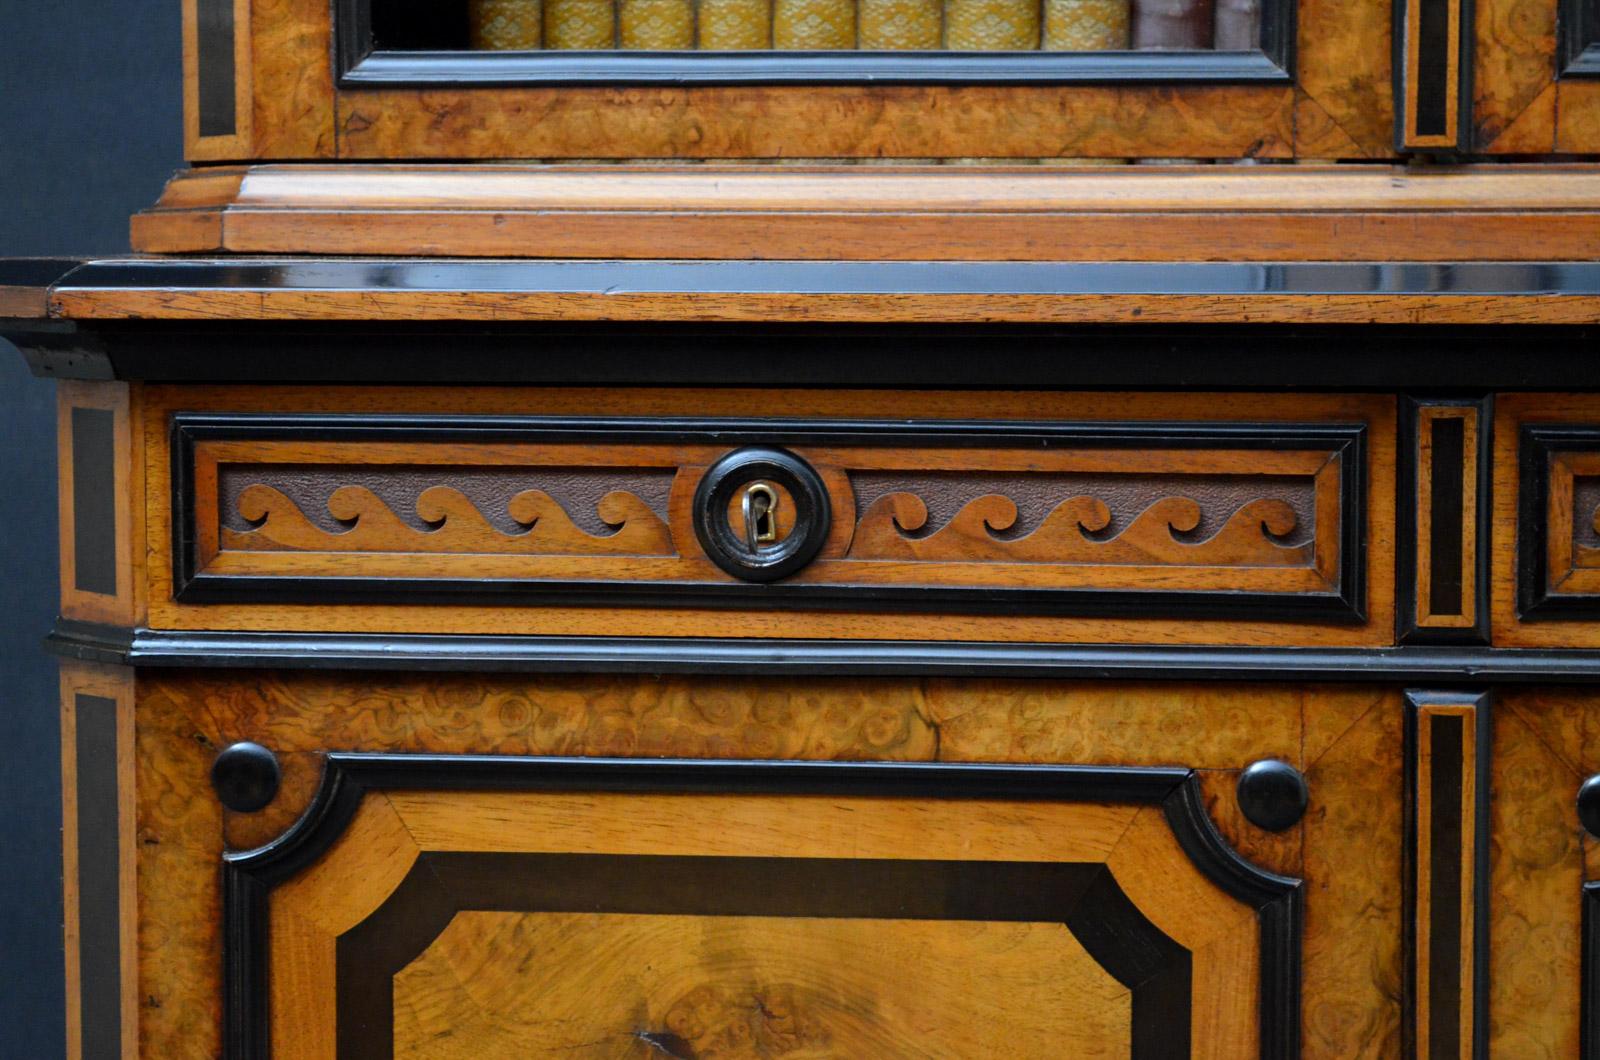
<point>760,515</point>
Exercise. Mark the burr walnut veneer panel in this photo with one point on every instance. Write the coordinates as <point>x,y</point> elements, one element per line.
<point>477,838</point>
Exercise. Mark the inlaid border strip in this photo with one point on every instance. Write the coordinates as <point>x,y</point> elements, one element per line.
<point>99,822</point>
<point>1445,478</point>
<point>1447,739</point>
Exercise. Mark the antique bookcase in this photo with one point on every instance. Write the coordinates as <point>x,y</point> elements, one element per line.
<point>840,528</point>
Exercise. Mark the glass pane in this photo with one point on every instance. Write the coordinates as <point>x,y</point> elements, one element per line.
<point>817,25</point>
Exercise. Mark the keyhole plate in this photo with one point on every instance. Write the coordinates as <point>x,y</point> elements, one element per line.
<point>734,533</point>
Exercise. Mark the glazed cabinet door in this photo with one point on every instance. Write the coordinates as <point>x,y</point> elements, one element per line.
<point>793,79</point>
<point>746,867</point>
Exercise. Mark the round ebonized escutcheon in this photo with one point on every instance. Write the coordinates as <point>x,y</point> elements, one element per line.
<point>245,776</point>
<point>1589,805</point>
<point>1272,794</point>
<point>729,549</point>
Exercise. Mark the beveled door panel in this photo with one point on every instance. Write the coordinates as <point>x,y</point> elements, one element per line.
<point>450,905</point>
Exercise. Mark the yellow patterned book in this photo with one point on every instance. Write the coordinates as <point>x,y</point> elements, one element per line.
<point>505,25</point>
<point>657,25</point>
<point>901,25</point>
<point>735,25</point>
<point>1085,25</point>
<point>991,25</point>
<point>579,24</point>
<point>813,25</point>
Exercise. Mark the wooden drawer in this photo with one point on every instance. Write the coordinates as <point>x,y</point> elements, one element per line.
<point>1046,516</point>
<point>881,867</point>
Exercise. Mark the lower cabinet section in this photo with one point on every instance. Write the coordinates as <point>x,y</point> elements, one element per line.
<point>766,868</point>
<point>460,866</point>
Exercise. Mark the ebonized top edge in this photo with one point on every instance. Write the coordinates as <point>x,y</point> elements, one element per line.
<point>674,276</point>
<point>535,654</point>
<point>883,356</point>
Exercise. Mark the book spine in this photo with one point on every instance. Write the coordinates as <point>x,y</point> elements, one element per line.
<point>814,25</point>
<point>657,25</point>
<point>991,25</point>
<point>735,25</point>
<point>901,25</point>
<point>1172,24</point>
<point>505,25</point>
<point>1238,25</point>
<point>579,24</point>
<point>1085,25</point>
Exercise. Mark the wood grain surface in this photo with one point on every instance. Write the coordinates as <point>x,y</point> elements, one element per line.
<point>885,212</point>
<point>1374,410</point>
<point>1345,738</point>
<point>1544,745</point>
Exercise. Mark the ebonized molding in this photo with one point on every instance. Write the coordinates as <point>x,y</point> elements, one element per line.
<point>461,69</point>
<point>1346,603</point>
<point>1589,1025</point>
<point>88,642</point>
<point>1578,22</point>
<point>1163,357</point>
<point>250,876</point>
<point>667,276</point>
<point>1535,602</point>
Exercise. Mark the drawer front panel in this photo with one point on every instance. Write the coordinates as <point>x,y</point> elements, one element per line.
<point>1167,519</point>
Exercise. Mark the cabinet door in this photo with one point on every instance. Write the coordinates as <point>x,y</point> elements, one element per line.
<point>715,866</point>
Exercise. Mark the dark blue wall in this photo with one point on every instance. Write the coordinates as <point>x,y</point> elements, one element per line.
<point>90,128</point>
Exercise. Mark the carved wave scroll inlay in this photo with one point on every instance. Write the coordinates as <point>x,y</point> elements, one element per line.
<point>452,523</point>
<point>1081,530</point>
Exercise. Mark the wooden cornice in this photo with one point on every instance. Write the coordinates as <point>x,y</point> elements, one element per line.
<point>868,212</point>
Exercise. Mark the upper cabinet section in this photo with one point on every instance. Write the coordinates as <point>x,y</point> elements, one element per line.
<point>789,79</point>
<point>1007,80</point>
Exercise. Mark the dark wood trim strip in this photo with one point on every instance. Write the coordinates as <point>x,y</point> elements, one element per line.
<point>1589,1026</point>
<point>215,65</point>
<point>250,875</point>
<point>1220,356</point>
<point>94,500</point>
<point>1345,441</point>
<point>708,277</point>
<point>1578,22</point>
<point>99,878</point>
<point>437,70</point>
<point>684,655</point>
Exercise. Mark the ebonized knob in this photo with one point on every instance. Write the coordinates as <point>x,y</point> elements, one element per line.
<point>1589,805</point>
<point>738,553</point>
<point>1272,794</point>
<point>245,777</point>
